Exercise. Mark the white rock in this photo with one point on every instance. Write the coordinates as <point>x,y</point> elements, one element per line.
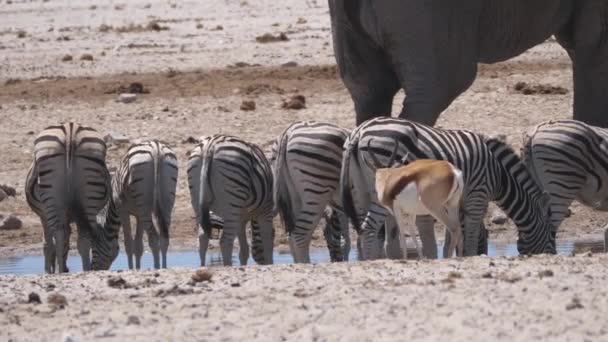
<point>114,137</point>
<point>127,98</point>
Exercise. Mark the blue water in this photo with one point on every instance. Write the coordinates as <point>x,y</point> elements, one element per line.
<point>34,264</point>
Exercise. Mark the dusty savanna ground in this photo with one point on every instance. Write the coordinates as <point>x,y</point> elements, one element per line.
<point>199,61</point>
<point>472,299</point>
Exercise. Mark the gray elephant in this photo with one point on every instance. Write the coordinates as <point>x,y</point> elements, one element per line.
<point>431,48</point>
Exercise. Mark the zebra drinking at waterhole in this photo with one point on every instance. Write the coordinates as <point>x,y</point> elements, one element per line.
<point>491,169</point>
<point>569,159</point>
<point>233,179</point>
<point>67,182</point>
<point>306,160</point>
<point>144,186</point>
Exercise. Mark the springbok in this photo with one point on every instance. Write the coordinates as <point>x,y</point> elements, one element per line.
<point>421,187</point>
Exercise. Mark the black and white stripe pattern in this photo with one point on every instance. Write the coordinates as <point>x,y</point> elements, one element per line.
<point>492,172</point>
<point>306,159</point>
<point>569,159</point>
<point>233,179</point>
<point>69,182</point>
<point>144,187</point>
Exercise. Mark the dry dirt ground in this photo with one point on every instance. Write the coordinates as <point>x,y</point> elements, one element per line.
<point>554,298</point>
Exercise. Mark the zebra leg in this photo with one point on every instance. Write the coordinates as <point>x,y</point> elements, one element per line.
<point>475,207</point>
<point>203,244</point>
<point>126,229</point>
<point>394,247</point>
<point>232,225</point>
<point>139,243</point>
<point>345,234</point>
<point>426,230</point>
<point>243,246</point>
<point>266,233</point>
<point>83,244</point>
<point>49,253</point>
<point>332,233</point>
<point>153,242</point>
<point>60,240</point>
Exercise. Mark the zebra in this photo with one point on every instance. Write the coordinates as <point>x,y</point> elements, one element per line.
<point>306,160</point>
<point>68,182</point>
<point>492,171</point>
<point>233,179</point>
<point>569,159</point>
<point>144,186</point>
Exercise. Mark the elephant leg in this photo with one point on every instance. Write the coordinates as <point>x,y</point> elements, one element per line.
<point>435,69</point>
<point>588,49</point>
<point>365,70</point>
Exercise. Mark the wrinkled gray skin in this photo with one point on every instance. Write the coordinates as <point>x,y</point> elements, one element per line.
<point>431,48</point>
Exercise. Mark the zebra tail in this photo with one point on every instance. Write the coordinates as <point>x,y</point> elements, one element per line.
<point>158,213</point>
<point>345,192</point>
<point>205,189</point>
<point>282,197</point>
<point>527,153</point>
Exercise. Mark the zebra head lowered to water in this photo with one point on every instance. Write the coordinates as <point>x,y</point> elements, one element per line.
<point>569,159</point>
<point>306,160</point>
<point>233,179</point>
<point>69,182</point>
<point>492,172</point>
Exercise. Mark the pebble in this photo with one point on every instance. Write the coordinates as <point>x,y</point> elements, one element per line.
<point>10,223</point>
<point>114,137</point>
<point>3,195</point>
<point>127,98</point>
<point>248,105</point>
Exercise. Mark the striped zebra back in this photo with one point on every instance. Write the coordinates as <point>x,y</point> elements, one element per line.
<point>56,148</point>
<point>569,159</point>
<point>69,172</point>
<point>491,169</point>
<point>316,149</point>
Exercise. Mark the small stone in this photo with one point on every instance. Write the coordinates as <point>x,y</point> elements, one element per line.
<point>290,64</point>
<point>201,275</point>
<point>127,98</point>
<point>10,223</point>
<point>199,26</point>
<point>190,140</point>
<point>498,217</point>
<point>3,195</point>
<point>218,28</point>
<point>57,299</point>
<point>133,320</point>
<point>86,57</point>
<point>296,102</point>
<point>301,21</point>
<point>487,275</point>
<point>118,283</point>
<point>248,105</point>
<point>66,58</point>
<point>33,298</point>
<point>545,273</point>
<point>21,34</point>
<point>67,337</point>
<point>235,285</point>
<point>574,304</point>
<point>113,137</point>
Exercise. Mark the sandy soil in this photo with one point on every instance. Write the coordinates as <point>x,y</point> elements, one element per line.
<point>472,299</point>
